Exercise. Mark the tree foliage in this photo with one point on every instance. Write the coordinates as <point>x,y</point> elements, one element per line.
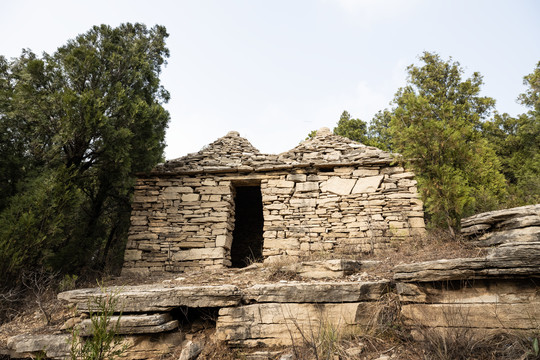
<point>517,143</point>
<point>435,126</point>
<point>76,126</point>
<point>354,129</point>
<point>379,134</point>
<point>464,162</point>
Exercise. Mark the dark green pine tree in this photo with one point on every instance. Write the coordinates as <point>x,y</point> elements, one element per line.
<point>354,129</point>
<point>517,143</point>
<point>81,123</point>
<point>435,126</point>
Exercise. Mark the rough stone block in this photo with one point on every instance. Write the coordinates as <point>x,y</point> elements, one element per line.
<point>178,190</point>
<point>215,190</point>
<point>365,172</point>
<point>367,184</point>
<point>338,185</point>
<point>417,222</point>
<point>190,197</point>
<point>224,241</point>
<point>281,183</point>
<point>307,186</point>
<point>132,255</point>
<point>200,254</point>
<point>296,177</point>
<point>299,203</point>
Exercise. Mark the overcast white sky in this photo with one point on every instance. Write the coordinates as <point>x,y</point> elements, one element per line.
<point>274,70</point>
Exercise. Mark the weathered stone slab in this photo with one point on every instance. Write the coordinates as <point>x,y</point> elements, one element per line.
<point>319,292</point>
<point>516,260</point>
<point>531,233</point>
<point>520,222</point>
<point>149,298</point>
<point>335,268</point>
<point>338,185</point>
<point>134,324</point>
<point>491,315</point>
<point>495,291</point>
<point>368,184</point>
<point>501,219</point>
<point>281,324</point>
<point>54,346</point>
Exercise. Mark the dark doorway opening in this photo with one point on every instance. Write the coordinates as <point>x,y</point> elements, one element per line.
<point>247,241</point>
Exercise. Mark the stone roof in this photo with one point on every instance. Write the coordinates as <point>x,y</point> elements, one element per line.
<point>233,153</point>
<point>326,148</point>
<point>230,152</point>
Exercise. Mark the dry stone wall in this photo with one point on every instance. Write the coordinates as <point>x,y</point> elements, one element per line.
<point>178,224</point>
<point>327,194</point>
<point>350,209</point>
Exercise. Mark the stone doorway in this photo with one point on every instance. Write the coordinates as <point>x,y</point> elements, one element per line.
<point>247,241</point>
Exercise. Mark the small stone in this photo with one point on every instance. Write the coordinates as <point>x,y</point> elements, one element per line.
<point>190,351</point>
<point>355,351</point>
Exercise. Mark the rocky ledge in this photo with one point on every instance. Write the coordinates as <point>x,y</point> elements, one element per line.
<point>474,296</point>
<point>498,227</point>
<point>512,260</point>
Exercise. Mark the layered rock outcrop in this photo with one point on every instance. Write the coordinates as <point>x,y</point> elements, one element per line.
<point>498,227</point>
<point>492,294</point>
<point>263,315</point>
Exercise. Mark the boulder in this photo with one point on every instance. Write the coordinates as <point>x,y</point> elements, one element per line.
<point>190,351</point>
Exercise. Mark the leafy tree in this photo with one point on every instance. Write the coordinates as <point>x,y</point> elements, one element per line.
<point>517,143</point>
<point>36,222</point>
<point>91,112</point>
<point>354,129</point>
<point>435,126</point>
<point>379,131</point>
<point>377,135</point>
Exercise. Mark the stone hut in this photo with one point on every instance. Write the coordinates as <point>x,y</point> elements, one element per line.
<point>229,204</point>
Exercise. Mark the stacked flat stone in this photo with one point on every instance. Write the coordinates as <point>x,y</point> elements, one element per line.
<point>327,194</point>
<point>326,149</point>
<point>229,153</point>
<point>498,293</point>
<point>502,226</point>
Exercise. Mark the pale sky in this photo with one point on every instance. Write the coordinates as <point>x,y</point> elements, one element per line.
<point>274,70</point>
